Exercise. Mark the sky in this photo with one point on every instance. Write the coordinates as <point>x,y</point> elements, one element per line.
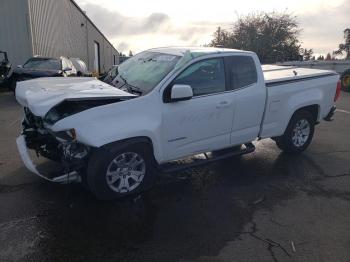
<point>138,25</point>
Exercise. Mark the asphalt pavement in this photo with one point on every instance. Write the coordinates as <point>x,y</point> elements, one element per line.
<point>265,206</point>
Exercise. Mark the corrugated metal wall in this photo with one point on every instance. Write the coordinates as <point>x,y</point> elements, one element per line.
<point>15,30</point>
<point>60,29</point>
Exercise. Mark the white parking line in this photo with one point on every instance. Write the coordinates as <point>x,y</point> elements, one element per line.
<point>13,123</point>
<point>342,111</point>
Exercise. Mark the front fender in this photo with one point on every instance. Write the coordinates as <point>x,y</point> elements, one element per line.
<point>115,122</point>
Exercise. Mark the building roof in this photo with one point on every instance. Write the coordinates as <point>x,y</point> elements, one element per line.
<point>85,15</point>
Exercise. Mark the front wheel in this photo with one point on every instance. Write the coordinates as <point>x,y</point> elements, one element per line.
<point>121,170</point>
<point>298,134</point>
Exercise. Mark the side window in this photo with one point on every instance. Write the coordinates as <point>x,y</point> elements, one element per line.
<point>241,71</point>
<point>205,77</point>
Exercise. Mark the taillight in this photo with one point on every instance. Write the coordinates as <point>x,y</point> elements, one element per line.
<point>337,92</point>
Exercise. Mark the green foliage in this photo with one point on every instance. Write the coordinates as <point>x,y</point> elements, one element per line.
<point>320,58</point>
<point>273,36</point>
<point>307,54</point>
<point>328,57</point>
<point>344,47</point>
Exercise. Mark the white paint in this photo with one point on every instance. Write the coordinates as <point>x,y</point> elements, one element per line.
<point>23,152</point>
<point>178,129</point>
<point>181,91</point>
<point>41,94</point>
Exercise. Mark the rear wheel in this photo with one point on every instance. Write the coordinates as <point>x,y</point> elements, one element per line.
<point>298,134</point>
<point>121,171</point>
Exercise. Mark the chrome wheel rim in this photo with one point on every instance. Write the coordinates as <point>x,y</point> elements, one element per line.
<point>301,132</point>
<point>126,172</point>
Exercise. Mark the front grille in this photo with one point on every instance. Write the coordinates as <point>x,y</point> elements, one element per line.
<point>32,120</point>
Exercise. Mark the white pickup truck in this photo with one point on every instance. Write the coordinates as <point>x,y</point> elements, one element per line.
<point>168,104</point>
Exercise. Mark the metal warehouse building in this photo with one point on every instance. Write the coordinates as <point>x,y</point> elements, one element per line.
<point>52,28</point>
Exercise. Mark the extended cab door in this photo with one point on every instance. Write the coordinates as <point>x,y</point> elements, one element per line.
<point>247,82</point>
<point>204,122</point>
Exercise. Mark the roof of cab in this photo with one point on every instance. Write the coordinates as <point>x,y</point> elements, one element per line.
<point>180,51</point>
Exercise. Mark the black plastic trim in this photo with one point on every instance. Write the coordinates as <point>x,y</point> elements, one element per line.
<point>330,115</point>
<point>170,167</point>
<point>282,82</point>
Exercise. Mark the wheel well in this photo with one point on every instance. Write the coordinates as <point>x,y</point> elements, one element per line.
<point>313,109</point>
<point>129,141</point>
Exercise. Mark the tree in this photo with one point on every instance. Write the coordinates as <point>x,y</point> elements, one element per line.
<point>273,36</point>
<point>345,47</point>
<point>328,57</point>
<point>320,58</point>
<point>130,53</point>
<point>221,38</point>
<point>307,54</point>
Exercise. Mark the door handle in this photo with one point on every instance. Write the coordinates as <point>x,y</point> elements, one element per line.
<point>223,104</point>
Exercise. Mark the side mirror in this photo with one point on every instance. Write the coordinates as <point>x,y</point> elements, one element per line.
<point>181,93</point>
<point>67,69</point>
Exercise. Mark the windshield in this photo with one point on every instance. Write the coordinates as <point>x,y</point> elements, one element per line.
<point>43,63</point>
<point>145,70</point>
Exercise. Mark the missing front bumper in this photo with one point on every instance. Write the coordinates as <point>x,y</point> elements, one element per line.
<point>71,177</point>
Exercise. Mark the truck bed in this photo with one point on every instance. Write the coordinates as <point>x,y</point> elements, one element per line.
<point>289,88</point>
<point>278,75</point>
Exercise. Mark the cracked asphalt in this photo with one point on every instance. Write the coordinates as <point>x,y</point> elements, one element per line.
<point>265,206</point>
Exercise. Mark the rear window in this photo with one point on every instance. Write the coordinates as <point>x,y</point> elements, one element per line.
<point>241,71</point>
<point>43,63</point>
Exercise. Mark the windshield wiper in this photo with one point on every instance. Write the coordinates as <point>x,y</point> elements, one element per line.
<point>133,88</point>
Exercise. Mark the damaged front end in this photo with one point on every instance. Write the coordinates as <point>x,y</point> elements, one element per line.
<point>60,147</point>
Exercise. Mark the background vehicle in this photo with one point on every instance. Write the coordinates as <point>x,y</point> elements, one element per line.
<point>38,66</point>
<point>5,68</point>
<point>80,67</point>
<point>168,104</point>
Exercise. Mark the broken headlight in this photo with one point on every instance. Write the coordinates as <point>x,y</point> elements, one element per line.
<point>71,107</point>
<point>67,135</point>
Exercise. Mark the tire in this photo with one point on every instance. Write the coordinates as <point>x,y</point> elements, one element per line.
<point>115,157</point>
<point>296,138</point>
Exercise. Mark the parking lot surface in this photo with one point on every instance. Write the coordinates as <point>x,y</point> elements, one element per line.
<point>265,206</point>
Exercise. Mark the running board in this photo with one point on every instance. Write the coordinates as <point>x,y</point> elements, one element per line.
<point>176,167</point>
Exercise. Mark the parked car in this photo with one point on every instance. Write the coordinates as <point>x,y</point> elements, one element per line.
<point>38,66</point>
<point>5,68</point>
<point>177,102</point>
<point>80,67</point>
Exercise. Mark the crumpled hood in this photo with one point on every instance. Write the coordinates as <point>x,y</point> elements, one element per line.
<point>41,94</point>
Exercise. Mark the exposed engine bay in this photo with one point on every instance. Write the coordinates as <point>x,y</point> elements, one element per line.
<point>57,146</point>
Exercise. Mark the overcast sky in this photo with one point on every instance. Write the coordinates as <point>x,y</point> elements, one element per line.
<point>138,25</point>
